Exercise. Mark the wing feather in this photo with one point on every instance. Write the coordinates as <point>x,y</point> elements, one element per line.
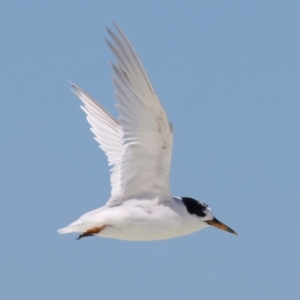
<point>147,134</point>
<point>108,133</point>
<point>139,144</point>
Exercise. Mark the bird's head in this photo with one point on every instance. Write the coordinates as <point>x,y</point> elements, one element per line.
<point>203,211</point>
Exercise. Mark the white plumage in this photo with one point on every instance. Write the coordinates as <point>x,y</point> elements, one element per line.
<point>139,148</point>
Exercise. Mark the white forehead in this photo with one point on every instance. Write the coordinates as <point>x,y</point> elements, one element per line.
<point>209,213</point>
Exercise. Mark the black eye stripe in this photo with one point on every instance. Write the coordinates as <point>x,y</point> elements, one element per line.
<point>194,207</point>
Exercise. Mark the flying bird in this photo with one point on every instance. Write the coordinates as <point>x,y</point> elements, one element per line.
<point>138,146</point>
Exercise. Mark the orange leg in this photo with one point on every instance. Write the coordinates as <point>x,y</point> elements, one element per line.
<point>91,232</point>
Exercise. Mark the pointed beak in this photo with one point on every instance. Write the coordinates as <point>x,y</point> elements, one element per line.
<point>215,222</point>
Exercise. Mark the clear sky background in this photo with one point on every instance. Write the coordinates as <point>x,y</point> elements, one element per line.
<point>227,73</point>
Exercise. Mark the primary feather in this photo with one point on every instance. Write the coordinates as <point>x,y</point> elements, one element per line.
<point>139,144</point>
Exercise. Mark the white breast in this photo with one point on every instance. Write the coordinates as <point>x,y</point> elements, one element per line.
<point>146,220</point>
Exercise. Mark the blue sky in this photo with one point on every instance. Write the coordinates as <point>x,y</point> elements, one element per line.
<point>227,73</point>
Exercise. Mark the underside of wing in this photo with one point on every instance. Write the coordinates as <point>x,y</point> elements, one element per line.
<point>108,133</point>
<point>147,133</point>
<point>139,144</point>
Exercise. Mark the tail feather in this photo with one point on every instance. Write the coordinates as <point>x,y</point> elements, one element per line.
<point>77,226</point>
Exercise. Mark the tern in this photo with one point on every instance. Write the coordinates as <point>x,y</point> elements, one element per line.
<point>138,146</point>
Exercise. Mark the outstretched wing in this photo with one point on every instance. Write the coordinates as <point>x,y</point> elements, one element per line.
<point>139,144</point>
<point>147,133</point>
<point>108,133</point>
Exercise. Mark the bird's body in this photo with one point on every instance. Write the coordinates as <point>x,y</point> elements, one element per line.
<point>141,220</point>
<point>139,148</point>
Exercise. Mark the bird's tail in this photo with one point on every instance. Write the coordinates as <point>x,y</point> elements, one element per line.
<point>77,226</point>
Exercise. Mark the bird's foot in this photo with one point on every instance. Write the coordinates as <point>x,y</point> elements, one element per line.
<point>91,232</point>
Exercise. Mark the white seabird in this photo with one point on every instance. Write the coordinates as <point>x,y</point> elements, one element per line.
<point>139,148</point>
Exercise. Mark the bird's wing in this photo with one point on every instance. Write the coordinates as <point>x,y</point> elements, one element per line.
<point>108,133</point>
<point>147,133</point>
<point>139,145</point>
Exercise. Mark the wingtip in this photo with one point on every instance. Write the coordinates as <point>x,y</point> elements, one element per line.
<point>107,28</point>
<point>115,24</point>
<point>74,88</point>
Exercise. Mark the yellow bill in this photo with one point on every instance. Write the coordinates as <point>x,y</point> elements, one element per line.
<point>215,222</point>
